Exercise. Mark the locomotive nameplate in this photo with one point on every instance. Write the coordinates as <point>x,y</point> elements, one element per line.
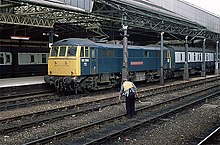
<point>137,63</point>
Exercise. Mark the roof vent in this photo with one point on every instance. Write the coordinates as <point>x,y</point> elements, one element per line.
<point>65,40</point>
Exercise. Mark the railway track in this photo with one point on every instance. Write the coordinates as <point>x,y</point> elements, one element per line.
<point>107,129</point>
<point>24,121</point>
<point>210,137</point>
<point>27,99</point>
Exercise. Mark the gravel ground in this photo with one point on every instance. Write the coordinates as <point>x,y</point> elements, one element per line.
<point>176,130</point>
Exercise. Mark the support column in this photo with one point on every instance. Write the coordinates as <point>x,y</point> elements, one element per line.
<point>216,60</point>
<point>203,59</point>
<point>186,67</point>
<point>51,33</point>
<point>125,48</point>
<point>161,59</point>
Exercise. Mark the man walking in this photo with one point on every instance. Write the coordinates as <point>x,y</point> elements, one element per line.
<point>129,90</point>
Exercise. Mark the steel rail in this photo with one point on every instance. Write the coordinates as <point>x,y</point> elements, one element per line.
<point>209,136</point>
<point>150,118</point>
<point>65,113</point>
<point>26,99</point>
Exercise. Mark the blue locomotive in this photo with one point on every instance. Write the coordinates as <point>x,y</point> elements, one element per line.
<point>82,65</point>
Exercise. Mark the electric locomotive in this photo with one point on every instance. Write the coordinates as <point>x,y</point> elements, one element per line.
<point>82,65</point>
<point>76,64</point>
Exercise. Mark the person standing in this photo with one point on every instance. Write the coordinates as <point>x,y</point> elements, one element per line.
<point>129,90</point>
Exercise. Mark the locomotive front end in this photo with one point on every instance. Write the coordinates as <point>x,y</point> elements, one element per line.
<point>63,67</point>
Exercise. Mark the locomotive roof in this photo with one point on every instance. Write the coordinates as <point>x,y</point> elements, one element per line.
<point>75,42</point>
<point>87,42</point>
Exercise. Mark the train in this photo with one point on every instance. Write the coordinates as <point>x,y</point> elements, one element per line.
<point>77,64</point>
<point>18,59</point>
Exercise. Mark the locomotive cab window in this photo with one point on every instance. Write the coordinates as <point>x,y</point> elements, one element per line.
<point>62,51</point>
<point>110,52</point>
<point>71,51</point>
<point>146,54</point>
<point>93,53</point>
<point>104,52</point>
<point>54,51</point>
<point>84,52</point>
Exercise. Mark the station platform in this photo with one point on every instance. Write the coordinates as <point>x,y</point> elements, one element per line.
<point>21,81</point>
<point>11,86</point>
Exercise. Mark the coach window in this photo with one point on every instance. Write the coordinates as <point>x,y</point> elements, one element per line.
<point>207,57</point>
<point>189,57</point>
<point>54,51</point>
<point>44,58</point>
<point>62,51</point>
<point>8,58</point>
<point>71,51</point>
<point>181,56</point>
<point>32,58</point>
<point>194,56</point>
<point>1,58</point>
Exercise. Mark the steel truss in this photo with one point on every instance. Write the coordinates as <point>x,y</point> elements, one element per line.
<point>106,14</point>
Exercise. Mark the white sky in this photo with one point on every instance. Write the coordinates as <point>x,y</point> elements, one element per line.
<point>210,5</point>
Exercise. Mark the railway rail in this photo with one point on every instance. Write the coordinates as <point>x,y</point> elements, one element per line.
<point>27,99</point>
<point>106,129</point>
<point>36,118</point>
<point>209,137</point>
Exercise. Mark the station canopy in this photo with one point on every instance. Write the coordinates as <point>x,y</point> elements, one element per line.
<point>101,19</point>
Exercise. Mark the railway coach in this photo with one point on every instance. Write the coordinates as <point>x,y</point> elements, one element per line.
<point>28,60</point>
<point>78,64</point>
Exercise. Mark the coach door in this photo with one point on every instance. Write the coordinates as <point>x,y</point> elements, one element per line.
<point>94,59</point>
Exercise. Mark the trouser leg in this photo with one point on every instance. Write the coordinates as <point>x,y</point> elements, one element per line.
<point>132,105</point>
<point>128,106</point>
